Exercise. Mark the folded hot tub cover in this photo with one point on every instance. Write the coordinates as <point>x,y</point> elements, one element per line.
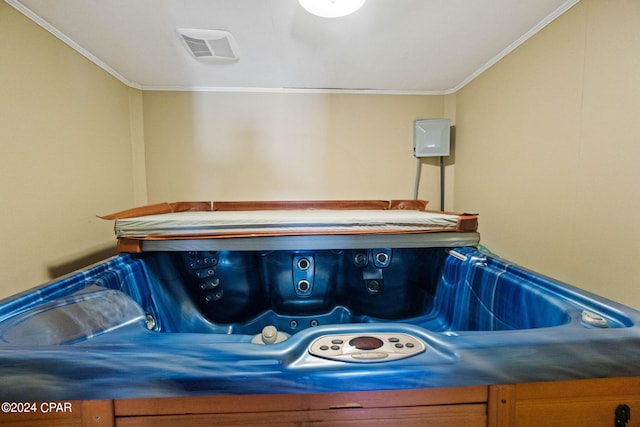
<point>208,220</point>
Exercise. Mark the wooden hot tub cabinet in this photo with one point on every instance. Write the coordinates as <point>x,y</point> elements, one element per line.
<point>591,402</point>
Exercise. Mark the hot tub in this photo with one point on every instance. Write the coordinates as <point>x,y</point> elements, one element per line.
<point>305,313</point>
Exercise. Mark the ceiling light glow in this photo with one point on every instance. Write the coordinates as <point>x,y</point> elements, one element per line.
<point>331,8</point>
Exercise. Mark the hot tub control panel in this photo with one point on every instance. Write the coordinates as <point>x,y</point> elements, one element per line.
<point>376,347</point>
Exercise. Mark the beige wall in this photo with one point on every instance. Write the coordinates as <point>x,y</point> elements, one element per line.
<point>275,146</point>
<point>548,150</point>
<point>546,146</point>
<point>66,155</point>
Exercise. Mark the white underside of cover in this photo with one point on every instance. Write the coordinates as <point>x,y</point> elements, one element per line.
<point>282,221</point>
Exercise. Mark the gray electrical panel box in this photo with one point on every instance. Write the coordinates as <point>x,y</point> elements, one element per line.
<point>431,137</point>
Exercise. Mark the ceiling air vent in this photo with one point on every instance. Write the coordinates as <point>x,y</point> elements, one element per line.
<point>210,45</point>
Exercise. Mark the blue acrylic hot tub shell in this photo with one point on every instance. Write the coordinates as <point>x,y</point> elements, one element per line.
<point>87,336</point>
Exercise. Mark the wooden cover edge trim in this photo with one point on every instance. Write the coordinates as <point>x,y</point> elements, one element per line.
<point>161,208</point>
<point>127,245</point>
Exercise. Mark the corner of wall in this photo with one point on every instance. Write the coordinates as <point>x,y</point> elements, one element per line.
<point>449,112</point>
<point>138,162</point>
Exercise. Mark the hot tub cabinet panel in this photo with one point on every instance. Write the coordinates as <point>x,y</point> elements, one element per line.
<point>574,403</point>
<point>596,402</point>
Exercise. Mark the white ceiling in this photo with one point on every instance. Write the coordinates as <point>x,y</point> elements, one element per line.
<point>395,46</point>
